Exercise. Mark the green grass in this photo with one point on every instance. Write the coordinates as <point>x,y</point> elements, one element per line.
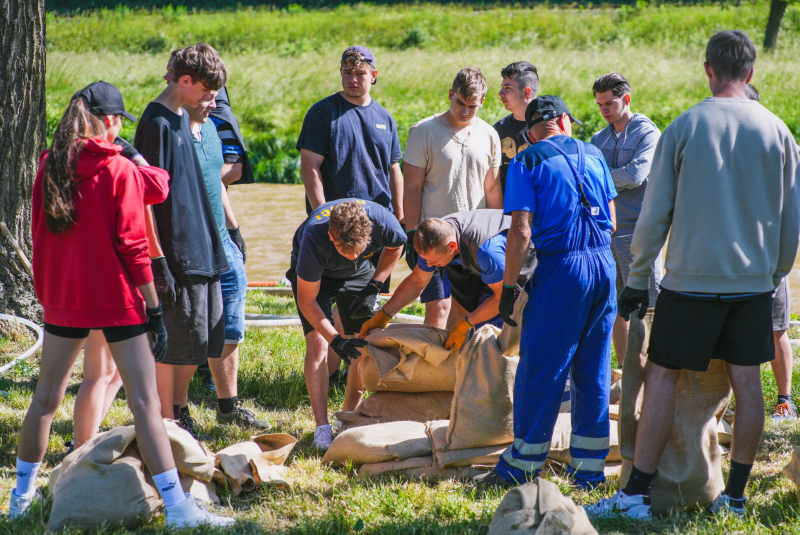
<point>282,61</point>
<point>327,501</point>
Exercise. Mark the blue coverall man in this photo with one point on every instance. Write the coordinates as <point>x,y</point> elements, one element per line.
<point>559,192</point>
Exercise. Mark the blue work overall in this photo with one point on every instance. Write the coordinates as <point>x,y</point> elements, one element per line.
<point>566,331</point>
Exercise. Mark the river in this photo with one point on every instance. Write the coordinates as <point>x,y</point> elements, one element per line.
<point>268,215</point>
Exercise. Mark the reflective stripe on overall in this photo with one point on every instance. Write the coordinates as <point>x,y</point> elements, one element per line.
<point>566,330</point>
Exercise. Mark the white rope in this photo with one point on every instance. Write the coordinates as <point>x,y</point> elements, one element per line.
<point>29,352</point>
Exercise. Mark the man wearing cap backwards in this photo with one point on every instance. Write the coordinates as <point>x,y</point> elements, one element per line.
<point>559,193</point>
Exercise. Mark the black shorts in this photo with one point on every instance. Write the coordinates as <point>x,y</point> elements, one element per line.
<point>687,333</point>
<point>467,288</point>
<point>112,334</point>
<point>340,292</point>
<point>196,324</point>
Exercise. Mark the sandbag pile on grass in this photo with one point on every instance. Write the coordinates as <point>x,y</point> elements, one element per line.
<point>382,407</point>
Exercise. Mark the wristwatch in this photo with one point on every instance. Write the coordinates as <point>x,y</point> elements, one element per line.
<point>377,284</point>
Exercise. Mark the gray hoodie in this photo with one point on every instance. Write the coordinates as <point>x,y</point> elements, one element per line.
<point>629,158</point>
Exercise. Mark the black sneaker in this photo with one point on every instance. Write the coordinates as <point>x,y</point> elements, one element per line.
<point>241,417</point>
<point>70,445</point>
<point>338,378</point>
<point>186,422</point>
<point>206,379</point>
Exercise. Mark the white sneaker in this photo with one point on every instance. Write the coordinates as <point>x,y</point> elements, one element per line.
<point>724,504</point>
<point>188,514</point>
<point>20,505</point>
<point>636,507</point>
<point>323,436</point>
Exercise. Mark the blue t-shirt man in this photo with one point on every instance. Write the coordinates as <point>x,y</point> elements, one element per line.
<point>491,259</point>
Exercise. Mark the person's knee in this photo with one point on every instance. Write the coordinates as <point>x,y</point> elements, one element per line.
<point>659,375</point>
<point>141,403</point>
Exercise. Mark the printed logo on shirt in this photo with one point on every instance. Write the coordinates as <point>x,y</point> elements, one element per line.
<point>327,213</point>
<point>380,126</point>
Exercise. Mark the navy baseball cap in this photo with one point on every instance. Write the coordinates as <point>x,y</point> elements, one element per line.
<point>550,107</point>
<point>365,52</point>
<point>103,98</point>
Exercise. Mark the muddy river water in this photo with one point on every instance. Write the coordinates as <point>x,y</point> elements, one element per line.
<point>269,214</point>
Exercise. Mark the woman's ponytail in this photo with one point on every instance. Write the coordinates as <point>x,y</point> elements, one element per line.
<point>77,125</point>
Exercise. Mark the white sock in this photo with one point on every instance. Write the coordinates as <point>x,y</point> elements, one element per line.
<point>26,477</point>
<point>169,486</point>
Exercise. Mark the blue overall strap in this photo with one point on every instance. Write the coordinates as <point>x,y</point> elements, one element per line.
<point>577,173</point>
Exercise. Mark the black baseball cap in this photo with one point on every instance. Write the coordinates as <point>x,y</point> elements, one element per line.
<point>550,107</point>
<point>103,98</point>
<point>365,52</point>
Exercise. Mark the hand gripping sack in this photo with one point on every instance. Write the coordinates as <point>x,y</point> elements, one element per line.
<point>408,358</point>
<point>689,473</point>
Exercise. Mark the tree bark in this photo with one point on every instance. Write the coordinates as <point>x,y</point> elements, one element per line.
<point>776,10</point>
<point>22,138</point>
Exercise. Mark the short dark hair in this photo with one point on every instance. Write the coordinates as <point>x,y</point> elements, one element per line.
<point>432,235</point>
<point>614,82</point>
<point>731,54</point>
<point>202,63</point>
<point>525,74</point>
<point>752,93</point>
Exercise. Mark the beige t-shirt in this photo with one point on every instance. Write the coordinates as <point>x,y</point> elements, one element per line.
<point>454,171</point>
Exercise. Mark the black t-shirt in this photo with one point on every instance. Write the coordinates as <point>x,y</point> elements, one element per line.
<point>513,139</point>
<point>186,225</point>
<point>359,143</point>
<point>315,256</point>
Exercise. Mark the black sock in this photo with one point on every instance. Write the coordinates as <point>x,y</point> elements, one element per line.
<point>784,399</point>
<point>176,411</point>
<point>639,483</point>
<point>226,405</point>
<point>737,480</point>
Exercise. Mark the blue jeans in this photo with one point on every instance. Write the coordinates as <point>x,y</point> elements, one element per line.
<point>234,293</point>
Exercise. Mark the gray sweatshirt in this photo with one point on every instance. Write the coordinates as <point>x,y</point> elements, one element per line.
<point>629,157</point>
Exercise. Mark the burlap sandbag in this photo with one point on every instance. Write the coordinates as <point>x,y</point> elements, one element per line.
<point>250,463</point>
<point>382,407</point>
<point>408,359</point>
<point>689,473</point>
<point>431,474</point>
<point>375,469</point>
<point>559,444</point>
<point>391,441</point>
<point>792,470</point>
<point>482,413</point>
<point>539,508</point>
<point>444,458</point>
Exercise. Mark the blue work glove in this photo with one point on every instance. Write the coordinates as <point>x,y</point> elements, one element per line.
<point>507,300</point>
<point>238,240</point>
<point>630,299</point>
<point>364,305</point>
<point>411,255</point>
<point>157,332</point>
<point>347,348</point>
<point>164,281</point>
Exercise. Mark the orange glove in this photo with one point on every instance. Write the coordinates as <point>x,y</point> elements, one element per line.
<point>458,334</point>
<point>378,321</point>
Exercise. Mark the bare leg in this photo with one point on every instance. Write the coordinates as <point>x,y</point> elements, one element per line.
<point>355,388</point>
<point>620,337</point>
<point>137,368</point>
<point>436,313</point>
<point>749,420</point>
<point>316,374</point>
<point>655,423</point>
<point>165,384</point>
<point>183,376</point>
<point>225,370</point>
<point>782,365</point>
<point>99,387</point>
<point>58,358</point>
<point>334,360</point>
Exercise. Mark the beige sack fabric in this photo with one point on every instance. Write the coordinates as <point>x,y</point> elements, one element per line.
<point>375,469</point>
<point>689,473</point>
<point>250,463</point>
<point>408,359</point>
<point>431,474</point>
<point>539,508</point>
<point>444,458</point>
<point>382,407</point>
<point>792,470</point>
<point>392,441</point>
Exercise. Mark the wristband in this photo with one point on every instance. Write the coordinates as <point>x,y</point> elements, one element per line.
<point>468,322</point>
<point>507,286</point>
<point>390,316</point>
<point>377,284</point>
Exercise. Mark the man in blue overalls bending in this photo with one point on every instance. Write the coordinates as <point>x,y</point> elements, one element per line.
<point>559,192</point>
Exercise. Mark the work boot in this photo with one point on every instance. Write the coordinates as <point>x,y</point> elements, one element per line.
<point>323,436</point>
<point>19,506</point>
<point>188,514</point>
<point>724,504</point>
<point>241,417</point>
<point>784,411</point>
<point>636,507</point>
<point>187,423</point>
<point>492,479</point>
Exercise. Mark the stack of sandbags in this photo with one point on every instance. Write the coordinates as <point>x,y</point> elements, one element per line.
<point>382,407</point>
<point>559,444</point>
<point>257,461</point>
<point>106,482</point>
<point>378,443</point>
<point>689,473</point>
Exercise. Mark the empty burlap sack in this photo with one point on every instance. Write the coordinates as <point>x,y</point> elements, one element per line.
<point>391,441</point>
<point>689,473</point>
<point>109,465</point>
<point>444,457</point>
<point>539,508</point>
<point>408,359</point>
<point>482,413</point>
<point>559,444</point>
<point>382,407</point>
<point>792,470</point>
<point>250,463</point>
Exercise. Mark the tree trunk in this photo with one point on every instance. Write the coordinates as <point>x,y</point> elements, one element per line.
<point>776,10</point>
<point>22,138</point>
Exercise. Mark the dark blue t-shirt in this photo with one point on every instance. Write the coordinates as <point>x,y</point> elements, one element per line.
<point>359,143</point>
<point>315,256</point>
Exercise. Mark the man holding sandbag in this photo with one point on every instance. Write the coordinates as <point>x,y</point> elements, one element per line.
<point>724,187</point>
<point>331,264</point>
<point>476,242</point>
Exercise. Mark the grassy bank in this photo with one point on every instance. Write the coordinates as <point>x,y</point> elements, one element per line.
<point>282,61</point>
<point>326,501</point>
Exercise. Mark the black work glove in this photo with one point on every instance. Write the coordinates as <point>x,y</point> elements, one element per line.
<point>127,149</point>
<point>630,299</point>
<point>157,332</point>
<point>236,237</point>
<point>165,282</point>
<point>411,255</point>
<point>347,348</point>
<point>363,306</point>
<point>507,300</point>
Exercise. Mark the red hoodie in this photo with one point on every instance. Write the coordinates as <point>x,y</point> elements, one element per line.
<point>88,275</point>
